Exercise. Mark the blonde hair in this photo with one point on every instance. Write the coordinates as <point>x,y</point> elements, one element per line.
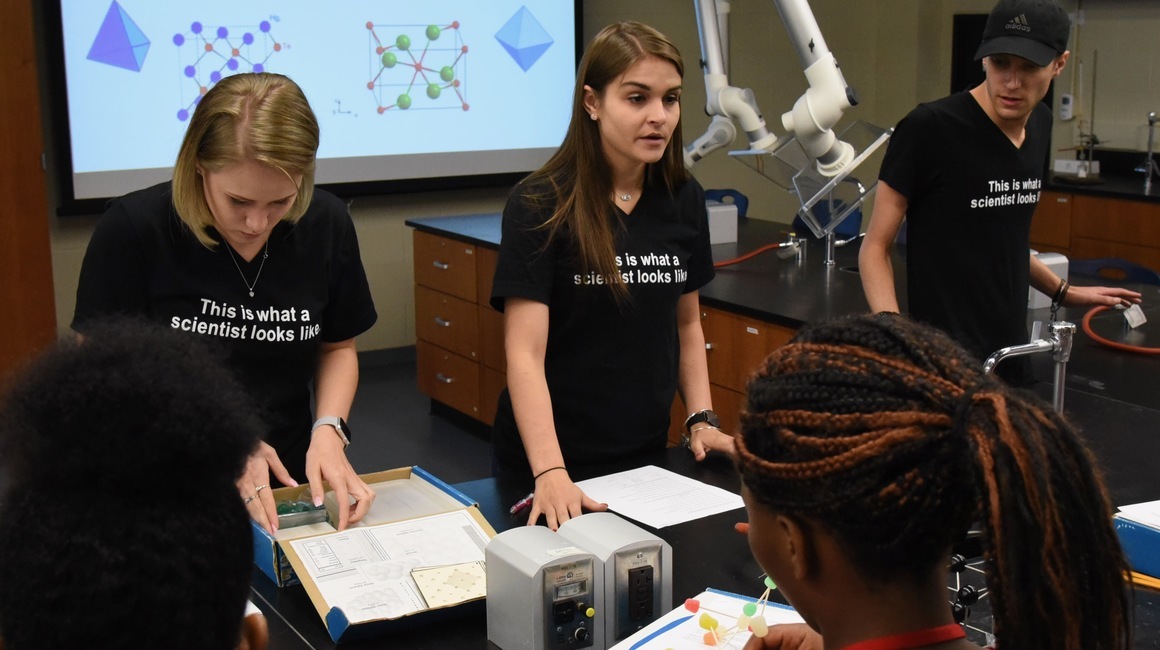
<point>579,179</point>
<point>255,116</point>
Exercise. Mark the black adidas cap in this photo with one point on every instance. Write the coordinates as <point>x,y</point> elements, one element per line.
<point>1036,30</point>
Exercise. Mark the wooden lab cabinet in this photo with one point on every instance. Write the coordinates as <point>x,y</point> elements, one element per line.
<point>1084,226</point>
<point>735,346</point>
<point>459,351</point>
<point>460,347</point>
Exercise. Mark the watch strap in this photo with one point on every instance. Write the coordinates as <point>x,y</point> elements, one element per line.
<point>339,427</point>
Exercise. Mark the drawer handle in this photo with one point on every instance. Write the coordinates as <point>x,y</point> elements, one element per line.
<point>443,266</point>
<point>710,346</point>
<point>442,322</point>
<point>444,378</point>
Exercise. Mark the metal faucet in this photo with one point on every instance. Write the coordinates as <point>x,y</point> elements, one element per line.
<point>1058,343</point>
<point>1149,165</point>
<point>833,243</point>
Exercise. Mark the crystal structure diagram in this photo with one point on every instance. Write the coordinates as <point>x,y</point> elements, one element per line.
<point>216,52</point>
<point>434,63</point>
<point>119,42</point>
<point>524,38</point>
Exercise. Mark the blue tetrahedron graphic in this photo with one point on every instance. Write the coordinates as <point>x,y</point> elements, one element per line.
<point>119,41</point>
<point>524,38</point>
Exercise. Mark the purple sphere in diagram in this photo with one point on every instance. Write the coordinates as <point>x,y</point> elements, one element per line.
<point>190,71</point>
<point>223,32</point>
<point>183,115</point>
<point>232,64</point>
<point>178,40</point>
<point>248,38</point>
<point>195,28</point>
<point>215,76</point>
<point>264,25</point>
<point>259,68</point>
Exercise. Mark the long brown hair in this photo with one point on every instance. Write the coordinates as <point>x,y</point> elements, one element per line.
<point>889,436</point>
<point>577,179</point>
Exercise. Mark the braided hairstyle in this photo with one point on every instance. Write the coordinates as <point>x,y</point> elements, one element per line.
<point>889,436</point>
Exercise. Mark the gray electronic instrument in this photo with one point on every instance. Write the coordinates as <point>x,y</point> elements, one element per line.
<point>544,592</point>
<point>638,570</point>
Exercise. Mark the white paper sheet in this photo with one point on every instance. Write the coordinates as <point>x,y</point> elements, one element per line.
<point>680,629</point>
<point>657,497</point>
<point>366,572</point>
<point>1147,513</point>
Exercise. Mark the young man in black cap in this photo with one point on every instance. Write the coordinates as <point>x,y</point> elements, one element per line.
<point>965,172</point>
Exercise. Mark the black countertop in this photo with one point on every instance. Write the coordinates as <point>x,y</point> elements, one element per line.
<point>1112,187</point>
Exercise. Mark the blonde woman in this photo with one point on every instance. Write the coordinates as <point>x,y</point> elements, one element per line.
<point>241,250</point>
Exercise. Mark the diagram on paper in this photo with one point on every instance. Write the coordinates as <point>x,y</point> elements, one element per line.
<point>417,67</point>
<point>208,53</point>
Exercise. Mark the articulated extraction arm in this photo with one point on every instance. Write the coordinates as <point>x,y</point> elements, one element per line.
<point>814,114</point>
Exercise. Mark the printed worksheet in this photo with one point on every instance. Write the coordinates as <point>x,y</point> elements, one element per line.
<point>657,497</point>
<point>366,572</point>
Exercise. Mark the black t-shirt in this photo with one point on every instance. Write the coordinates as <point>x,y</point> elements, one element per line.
<point>971,196</point>
<point>142,260</point>
<point>611,369</point>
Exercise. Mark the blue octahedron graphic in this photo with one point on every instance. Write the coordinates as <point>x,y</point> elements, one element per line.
<point>524,38</point>
<point>119,41</point>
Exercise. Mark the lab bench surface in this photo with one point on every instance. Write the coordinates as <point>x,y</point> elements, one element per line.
<point>707,552</point>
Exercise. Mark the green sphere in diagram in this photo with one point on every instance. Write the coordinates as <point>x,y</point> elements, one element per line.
<point>433,91</point>
<point>432,32</point>
<point>404,101</point>
<point>389,59</point>
<point>446,73</point>
<point>403,41</point>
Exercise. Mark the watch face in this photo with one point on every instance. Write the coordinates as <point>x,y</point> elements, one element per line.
<point>712,419</point>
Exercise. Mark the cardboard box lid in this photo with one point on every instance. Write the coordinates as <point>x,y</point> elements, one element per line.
<point>372,557</point>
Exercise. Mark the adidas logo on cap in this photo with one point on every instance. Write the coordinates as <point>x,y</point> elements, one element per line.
<point>1019,23</point>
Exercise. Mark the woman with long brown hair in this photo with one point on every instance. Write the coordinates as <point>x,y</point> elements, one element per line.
<point>870,445</point>
<point>603,252</point>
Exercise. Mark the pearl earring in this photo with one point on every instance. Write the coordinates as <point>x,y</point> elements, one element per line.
<point>593,116</point>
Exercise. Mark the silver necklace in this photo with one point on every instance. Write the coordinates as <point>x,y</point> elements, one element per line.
<point>249,285</point>
<point>624,197</point>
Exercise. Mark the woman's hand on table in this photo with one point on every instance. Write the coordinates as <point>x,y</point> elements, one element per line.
<point>326,461</point>
<point>706,439</point>
<point>254,486</point>
<point>788,636</point>
<point>558,499</point>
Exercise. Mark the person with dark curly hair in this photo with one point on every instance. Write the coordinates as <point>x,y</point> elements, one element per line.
<point>870,445</point>
<point>104,544</point>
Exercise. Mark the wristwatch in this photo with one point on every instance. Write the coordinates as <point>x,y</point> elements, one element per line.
<point>706,416</point>
<point>339,425</point>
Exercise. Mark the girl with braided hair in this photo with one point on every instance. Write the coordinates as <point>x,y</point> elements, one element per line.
<point>870,446</point>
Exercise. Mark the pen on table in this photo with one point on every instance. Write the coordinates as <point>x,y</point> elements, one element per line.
<point>522,504</point>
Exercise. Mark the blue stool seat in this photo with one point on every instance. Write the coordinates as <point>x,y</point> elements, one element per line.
<point>1114,268</point>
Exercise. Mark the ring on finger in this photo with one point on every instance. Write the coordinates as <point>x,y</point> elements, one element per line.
<point>260,488</point>
<point>250,498</point>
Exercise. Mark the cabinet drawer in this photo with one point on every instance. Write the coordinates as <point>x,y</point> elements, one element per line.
<point>1051,225</point>
<point>448,378</point>
<point>445,265</point>
<point>485,262</point>
<point>1136,223</point>
<point>446,321</point>
<point>491,384</point>
<point>736,345</point>
<point>491,350</point>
